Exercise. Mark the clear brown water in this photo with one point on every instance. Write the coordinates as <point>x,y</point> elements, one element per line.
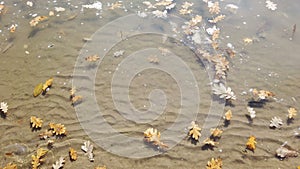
<point>270,63</point>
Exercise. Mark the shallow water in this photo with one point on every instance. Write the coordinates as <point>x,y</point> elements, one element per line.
<point>55,47</point>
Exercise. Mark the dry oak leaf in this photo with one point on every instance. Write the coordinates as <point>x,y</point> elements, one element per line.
<point>214,8</point>
<point>36,20</point>
<point>87,147</point>
<point>194,131</point>
<point>215,132</point>
<point>73,154</point>
<point>46,134</point>
<point>92,58</point>
<point>152,136</point>
<point>47,84</point>
<point>10,166</point>
<point>214,163</point>
<point>36,122</point>
<point>292,112</point>
<point>36,160</point>
<point>210,142</point>
<point>115,5</point>
<point>228,115</point>
<point>4,107</point>
<point>247,41</point>
<point>251,143</point>
<point>59,163</point>
<point>76,99</point>
<point>58,129</point>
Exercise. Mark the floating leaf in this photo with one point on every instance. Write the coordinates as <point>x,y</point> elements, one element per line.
<point>222,92</point>
<point>10,166</point>
<point>36,160</point>
<point>38,90</point>
<point>87,147</point>
<point>104,167</point>
<point>214,163</point>
<point>59,163</point>
<point>73,154</point>
<point>92,58</point>
<point>36,122</point>
<point>251,112</point>
<point>46,134</point>
<point>152,136</point>
<point>194,131</point>
<point>292,112</point>
<point>210,142</point>
<point>251,143</point>
<point>271,5</point>
<point>228,115</point>
<point>276,122</point>
<point>215,132</point>
<point>247,41</point>
<point>36,20</point>
<point>214,8</point>
<point>58,129</point>
<point>47,84</point>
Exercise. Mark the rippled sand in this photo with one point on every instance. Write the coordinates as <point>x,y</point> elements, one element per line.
<point>270,63</point>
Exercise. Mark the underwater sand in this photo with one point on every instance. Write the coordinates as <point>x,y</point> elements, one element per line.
<point>272,63</point>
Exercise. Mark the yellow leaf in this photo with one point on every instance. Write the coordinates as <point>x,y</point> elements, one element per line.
<point>38,89</point>
<point>251,143</point>
<point>36,122</point>
<point>247,41</point>
<point>73,154</point>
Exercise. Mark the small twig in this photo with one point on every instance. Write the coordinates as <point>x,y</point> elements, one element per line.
<point>293,32</point>
<point>121,35</point>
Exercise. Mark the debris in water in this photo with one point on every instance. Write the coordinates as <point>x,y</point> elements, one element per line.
<point>4,107</point>
<point>271,5</point>
<point>96,5</point>
<point>210,142</point>
<point>251,112</point>
<point>73,154</point>
<point>87,147</point>
<point>248,41</point>
<point>185,8</point>
<point>153,59</point>
<point>115,5</point>
<point>276,122</point>
<point>222,92</point>
<point>214,163</point>
<point>13,28</point>
<point>58,129</point>
<point>37,159</point>
<point>59,163</point>
<point>36,122</point>
<point>92,58</point>
<point>292,112</point>
<point>214,8</point>
<point>232,8</point>
<point>160,14</point>
<point>119,53</point>
<point>37,20</point>
<point>228,115</point>
<point>152,136</point>
<point>285,151</point>
<point>250,145</point>
<point>195,130</point>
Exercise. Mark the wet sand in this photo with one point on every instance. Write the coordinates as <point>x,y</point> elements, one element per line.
<point>270,63</point>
